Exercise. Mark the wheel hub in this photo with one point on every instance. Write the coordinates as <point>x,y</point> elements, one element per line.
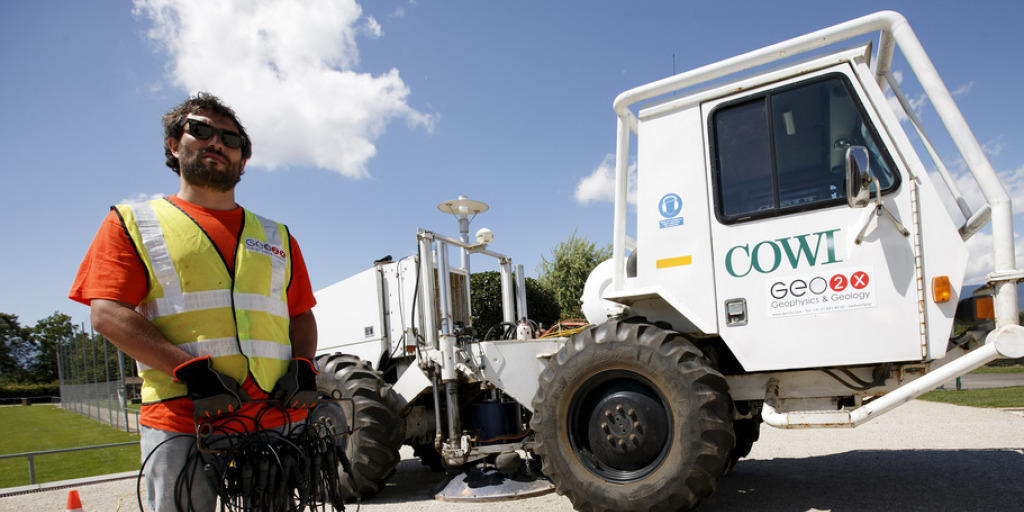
<point>627,430</point>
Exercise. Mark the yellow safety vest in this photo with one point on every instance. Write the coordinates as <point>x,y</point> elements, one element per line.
<point>240,319</point>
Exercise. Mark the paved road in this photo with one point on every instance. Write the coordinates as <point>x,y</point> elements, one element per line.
<point>923,456</point>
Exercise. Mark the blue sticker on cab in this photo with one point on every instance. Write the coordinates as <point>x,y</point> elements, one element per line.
<point>670,206</point>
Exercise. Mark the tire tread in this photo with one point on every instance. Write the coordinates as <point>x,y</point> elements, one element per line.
<point>709,454</point>
<point>372,447</point>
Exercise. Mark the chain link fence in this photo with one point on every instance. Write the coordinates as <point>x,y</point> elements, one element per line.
<point>97,380</point>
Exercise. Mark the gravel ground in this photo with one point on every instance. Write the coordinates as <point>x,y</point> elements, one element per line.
<point>922,456</point>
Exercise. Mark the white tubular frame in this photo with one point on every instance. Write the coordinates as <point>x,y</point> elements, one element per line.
<point>895,31</point>
<point>1004,342</point>
<point>427,240</point>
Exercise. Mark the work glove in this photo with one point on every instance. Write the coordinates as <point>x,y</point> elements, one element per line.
<point>297,387</point>
<point>212,392</point>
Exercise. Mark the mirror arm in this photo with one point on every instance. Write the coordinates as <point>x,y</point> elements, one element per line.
<point>880,210</point>
<point>864,229</point>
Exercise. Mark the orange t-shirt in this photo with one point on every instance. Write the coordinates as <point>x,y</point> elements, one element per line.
<point>113,270</point>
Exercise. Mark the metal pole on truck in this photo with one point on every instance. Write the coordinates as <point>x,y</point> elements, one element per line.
<point>465,210</point>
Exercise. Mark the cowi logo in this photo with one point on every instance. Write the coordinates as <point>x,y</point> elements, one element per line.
<point>262,247</point>
<point>768,255</point>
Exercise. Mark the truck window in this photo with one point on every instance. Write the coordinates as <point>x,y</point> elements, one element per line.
<point>784,150</point>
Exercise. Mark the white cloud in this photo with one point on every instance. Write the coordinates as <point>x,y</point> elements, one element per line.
<point>916,105</point>
<point>963,89</point>
<point>600,184</point>
<point>980,245</point>
<point>286,67</point>
<point>919,101</point>
<point>1012,180</point>
<point>993,148</point>
<point>980,264</point>
<point>894,103</point>
<point>897,109</point>
<point>141,197</point>
<point>372,27</point>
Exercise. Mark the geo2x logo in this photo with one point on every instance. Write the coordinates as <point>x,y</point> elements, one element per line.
<point>819,285</point>
<point>262,247</point>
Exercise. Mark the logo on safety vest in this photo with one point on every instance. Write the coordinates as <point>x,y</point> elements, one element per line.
<point>262,247</point>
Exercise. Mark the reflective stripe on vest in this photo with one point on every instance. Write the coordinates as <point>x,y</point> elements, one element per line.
<point>221,347</point>
<point>240,319</point>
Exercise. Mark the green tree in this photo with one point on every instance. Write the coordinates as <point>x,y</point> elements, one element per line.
<point>83,357</point>
<point>14,348</point>
<point>566,273</point>
<point>485,288</point>
<point>47,335</point>
<point>541,303</point>
<point>28,355</point>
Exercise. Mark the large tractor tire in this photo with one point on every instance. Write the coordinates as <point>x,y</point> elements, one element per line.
<point>372,445</point>
<point>630,416</point>
<point>747,431</point>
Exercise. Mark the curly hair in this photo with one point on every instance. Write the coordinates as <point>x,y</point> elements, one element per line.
<point>202,101</point>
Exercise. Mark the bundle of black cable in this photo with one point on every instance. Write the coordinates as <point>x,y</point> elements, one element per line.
<point>271,471</point>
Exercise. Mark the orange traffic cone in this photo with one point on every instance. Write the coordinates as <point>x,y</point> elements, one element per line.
<point>74,503</point>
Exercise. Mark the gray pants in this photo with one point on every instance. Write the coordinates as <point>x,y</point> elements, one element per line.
<point>168,452</point>
<point>172,450</point>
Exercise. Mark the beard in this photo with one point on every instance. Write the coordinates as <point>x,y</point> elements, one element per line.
<point>198,173</point>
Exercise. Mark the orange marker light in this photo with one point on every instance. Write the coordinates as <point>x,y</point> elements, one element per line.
<point>984,307</point>
<point>940,289</point>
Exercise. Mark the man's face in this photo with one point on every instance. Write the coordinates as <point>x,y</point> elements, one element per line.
<point>208,163</point>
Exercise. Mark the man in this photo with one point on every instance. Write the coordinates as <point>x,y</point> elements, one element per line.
<point>211,300</point>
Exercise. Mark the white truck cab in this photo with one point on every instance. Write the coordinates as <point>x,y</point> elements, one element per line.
<point>743,227</point>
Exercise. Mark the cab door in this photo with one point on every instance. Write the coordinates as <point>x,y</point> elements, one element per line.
<point>796,289</point>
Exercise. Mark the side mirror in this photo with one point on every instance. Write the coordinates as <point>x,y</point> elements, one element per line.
<point>858,177</point>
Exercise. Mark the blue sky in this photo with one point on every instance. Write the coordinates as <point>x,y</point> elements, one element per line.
<point>367,115</point>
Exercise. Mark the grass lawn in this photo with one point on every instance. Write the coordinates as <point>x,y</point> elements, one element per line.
<point>47,427</point>
<point>995,397</point>
<point>1000,369</point>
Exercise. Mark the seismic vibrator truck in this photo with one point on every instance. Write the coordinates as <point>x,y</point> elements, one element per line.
<point>794,264</point>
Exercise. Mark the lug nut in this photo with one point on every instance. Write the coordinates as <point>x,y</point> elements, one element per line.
<point>632,414</point>
<point>604,427</point>
<point>634,439</point>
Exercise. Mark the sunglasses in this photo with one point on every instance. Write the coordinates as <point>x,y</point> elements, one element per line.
<point>203,131</point>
